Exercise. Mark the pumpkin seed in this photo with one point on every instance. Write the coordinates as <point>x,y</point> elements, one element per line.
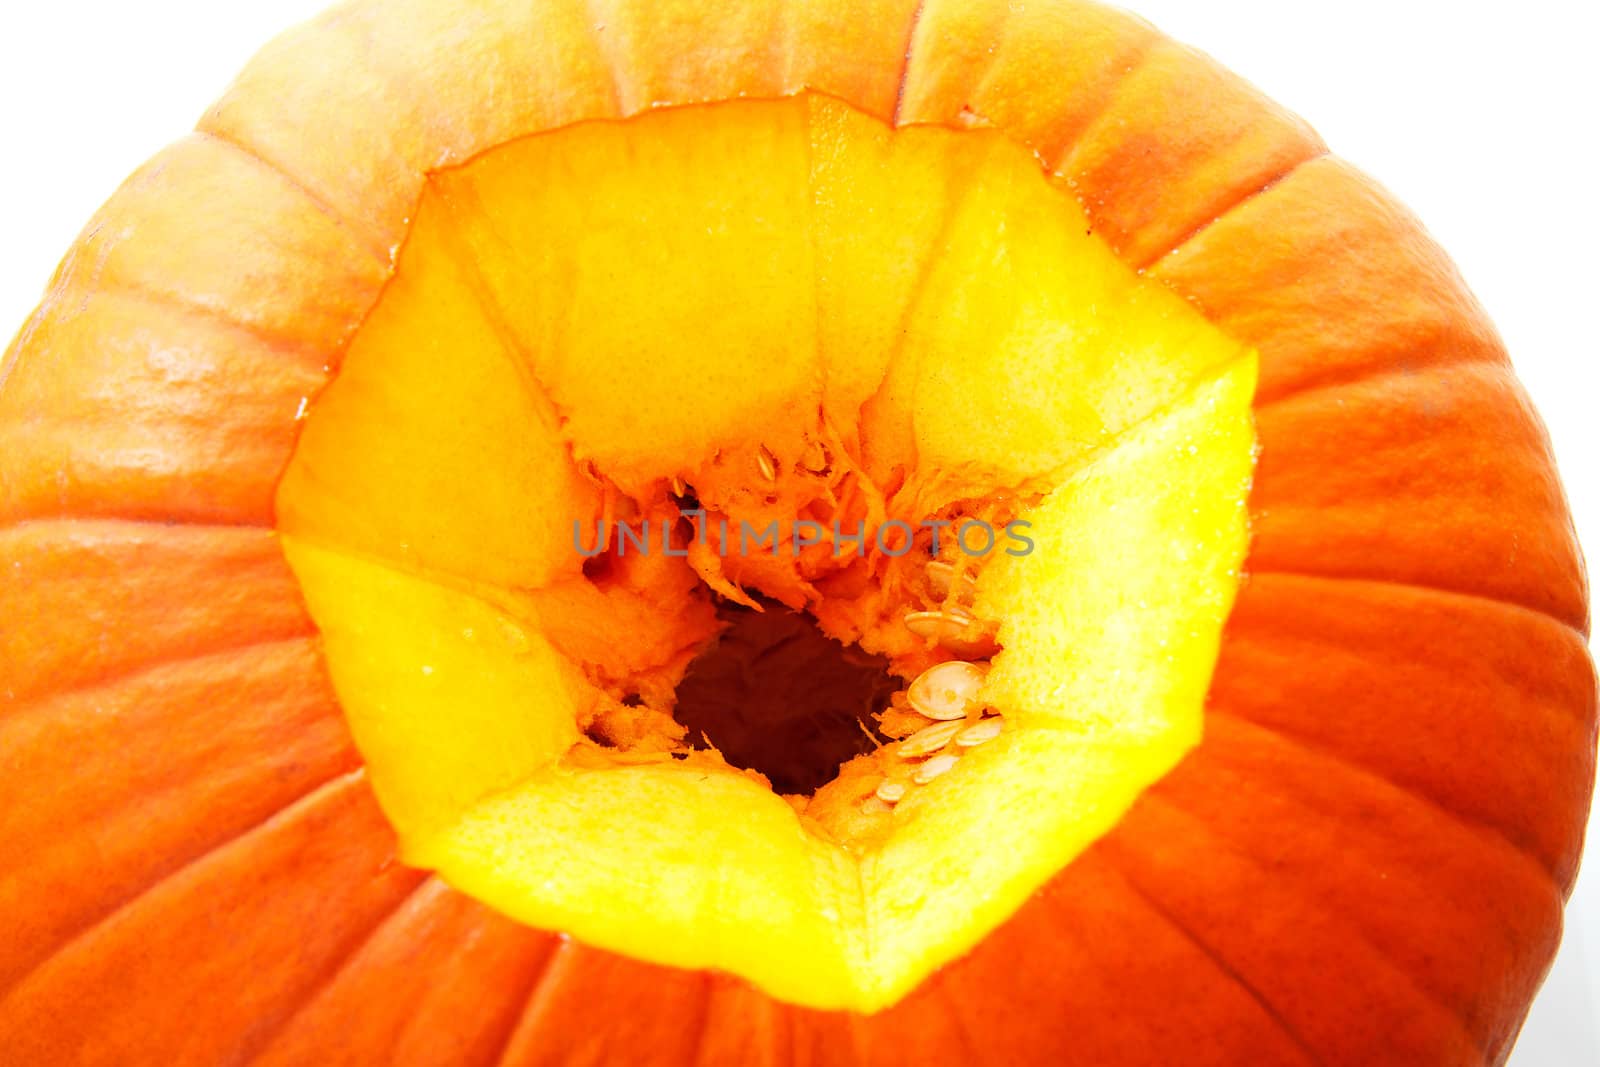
<point>934,768</point>
<point>943,576</point>
<point>946,691</point>
<point>875,806</point>
<point>938,625</point>
<point>769,469</point>
<point>929,739</point>
<point>956,630</point>
<point>979,732</point>
<point>890,792</point>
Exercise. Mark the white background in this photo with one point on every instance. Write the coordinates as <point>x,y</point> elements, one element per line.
<point>1482,117</point>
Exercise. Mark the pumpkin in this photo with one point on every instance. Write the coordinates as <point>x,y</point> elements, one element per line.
<point>1243,713</point>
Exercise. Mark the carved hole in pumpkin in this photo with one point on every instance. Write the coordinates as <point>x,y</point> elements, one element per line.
<point>775,695</point>
<point>714,305</point>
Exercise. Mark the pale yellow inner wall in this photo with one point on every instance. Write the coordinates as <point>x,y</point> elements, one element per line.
<point>579,318</point>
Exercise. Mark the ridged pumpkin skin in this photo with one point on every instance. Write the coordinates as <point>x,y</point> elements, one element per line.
<point>1364,862</point>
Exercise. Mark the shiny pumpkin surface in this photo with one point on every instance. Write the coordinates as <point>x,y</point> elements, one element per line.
<point>1363,860</point>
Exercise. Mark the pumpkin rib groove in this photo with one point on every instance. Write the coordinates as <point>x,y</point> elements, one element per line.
<point>970,1043</point>
<point>1462,819</point>
<point>1350,376</point>
<point>933,1021</point>
<point>1462,1032</point>
<point>537,989</point>
<point>496,1056</point>
<point>1403,466</point>
<point>122,678</point>
<point>219,514</point>
<point>298,351</point>
<point>569,1023</point>
<point>157,566</point>
<point>1504,767</point>
<point>1075,901</point>
<point>1149,262</point>
<point>1357,255</point>
<point>496,1053</point>
<point>702,1023</point>
<point>1429,995</point>
<point>775,1049</point>
<point>856,1027</point>
<point>597,22</point>
<point>1144,53</point>
<point>132,671</point>
<point>111,805</point>
<point>1243,772</point>
<point>775,1045</point>
<point>1579,628</point>
<point>1205,949</point>
<point>1054,163</point>
<point>268,336</point>
<point>1061,165</point>
<point>1201,827</point>
<point>60,311</point>
<point>22,523</point>
<point>443,960</point>
<point>1370,375</point>
<point>255,919</point>
<point>261,1040</point>
<point>1250,141</point>
<point>905,63</point>
<point>1496,603</point>
<point>1378,584</point>
<point>1246,773</point>
<point>364,240</point>
<point>347,779</point>
<point>137,517</point>
<point>86,523</point>
<point>759,1012</point>
<point>123,407</point>
<point>312,277</point>
<point>785,49</point>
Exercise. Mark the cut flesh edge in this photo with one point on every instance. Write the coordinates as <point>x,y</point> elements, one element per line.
<point>790,311</point>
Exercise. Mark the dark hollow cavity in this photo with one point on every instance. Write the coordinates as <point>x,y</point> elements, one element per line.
<point>776,695</point>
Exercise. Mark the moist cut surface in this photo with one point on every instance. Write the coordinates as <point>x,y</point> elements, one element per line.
<point>606,345</point>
